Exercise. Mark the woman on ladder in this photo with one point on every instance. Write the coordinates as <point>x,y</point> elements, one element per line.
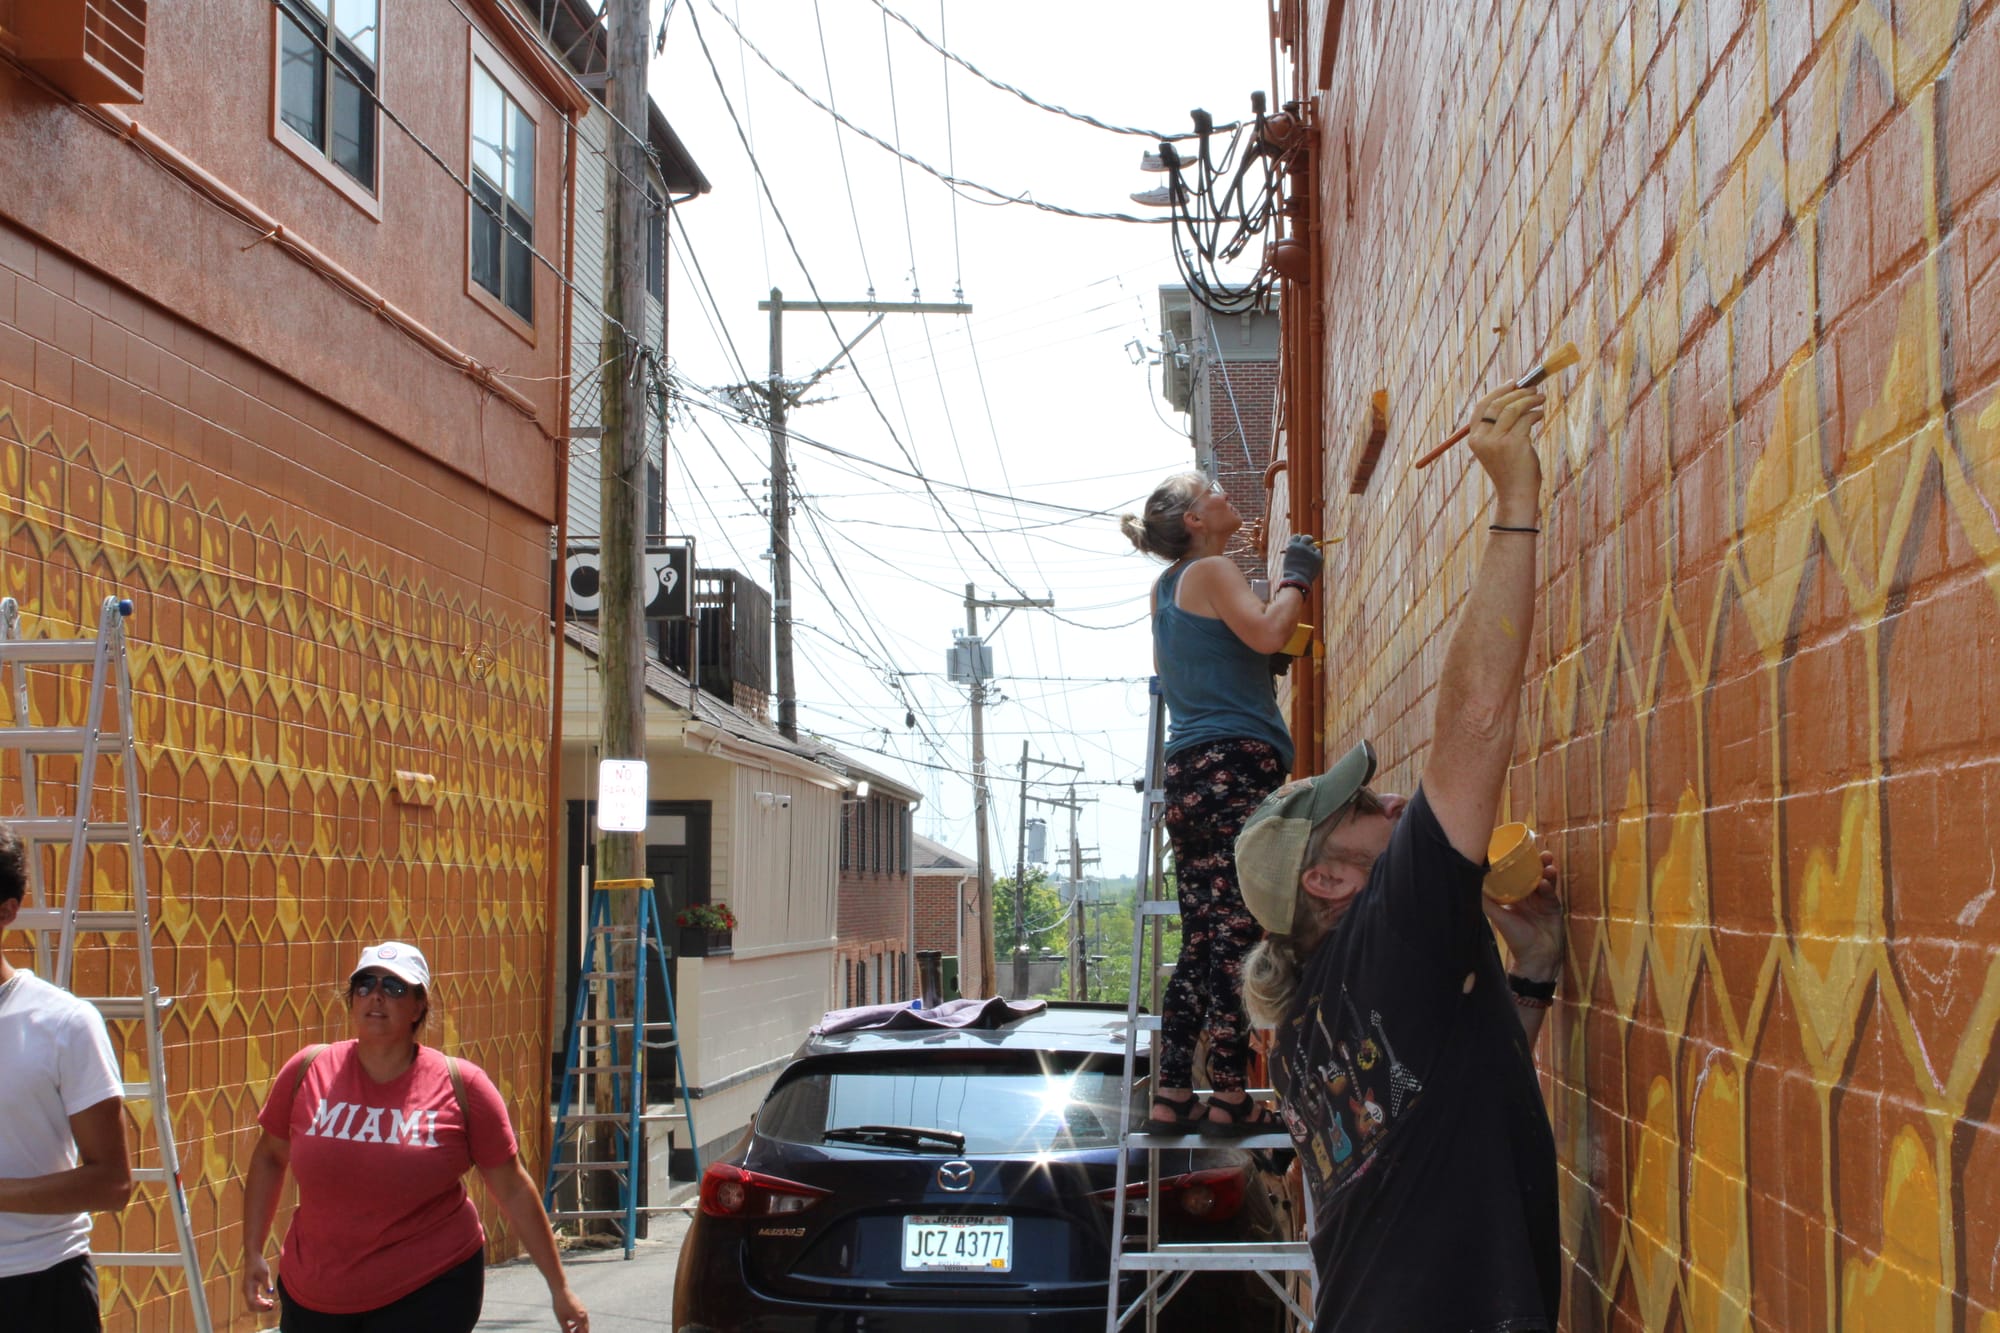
<point>1227,748</point>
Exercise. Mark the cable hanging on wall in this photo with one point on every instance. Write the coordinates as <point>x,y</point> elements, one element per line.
<point>1224,200</point>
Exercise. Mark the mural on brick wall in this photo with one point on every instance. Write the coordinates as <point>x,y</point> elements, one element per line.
<point>1762,729</point>
<point>279,682</point>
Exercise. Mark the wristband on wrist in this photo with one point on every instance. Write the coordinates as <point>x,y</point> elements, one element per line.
<point>1305,589</point>
<point>1529,1002</point>
<point>1503,527</point>
<point>1525,989</point>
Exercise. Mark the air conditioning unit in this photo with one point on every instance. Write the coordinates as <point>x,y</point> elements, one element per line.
<point>94,50</point>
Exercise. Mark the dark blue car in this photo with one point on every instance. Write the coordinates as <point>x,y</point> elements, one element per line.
<point>922,1180</point>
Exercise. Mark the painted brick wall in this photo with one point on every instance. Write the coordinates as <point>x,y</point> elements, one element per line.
<point>1762,717</point>
<point>318,605</point>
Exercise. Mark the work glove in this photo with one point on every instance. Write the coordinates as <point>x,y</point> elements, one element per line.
<point>1302,560</point>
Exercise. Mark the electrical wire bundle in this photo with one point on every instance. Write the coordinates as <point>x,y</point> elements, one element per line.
<point>1224,201</point>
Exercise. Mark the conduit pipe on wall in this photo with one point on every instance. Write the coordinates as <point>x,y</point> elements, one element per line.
<point>202,179</point>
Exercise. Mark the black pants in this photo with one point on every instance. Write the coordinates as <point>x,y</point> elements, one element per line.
<point>1211,790</point>
<point>62,1299</point>
<point>448,1303</point>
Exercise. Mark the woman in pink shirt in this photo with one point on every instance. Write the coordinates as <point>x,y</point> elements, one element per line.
<point>380,1131</point>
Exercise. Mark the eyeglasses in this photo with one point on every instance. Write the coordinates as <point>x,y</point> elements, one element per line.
<point>365,983</point>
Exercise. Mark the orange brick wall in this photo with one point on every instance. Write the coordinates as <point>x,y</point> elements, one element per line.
<point>1762,713</point>
<point>318,606</point>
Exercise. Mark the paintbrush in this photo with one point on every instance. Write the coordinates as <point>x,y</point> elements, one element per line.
<point>1559,360</point>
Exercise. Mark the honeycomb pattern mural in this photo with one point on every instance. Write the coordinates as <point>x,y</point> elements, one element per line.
<point>285,666</point>
<point>1762,726</point>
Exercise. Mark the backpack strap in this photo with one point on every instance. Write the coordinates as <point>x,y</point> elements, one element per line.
<point>312,1053</point>
<point>458,1091</point>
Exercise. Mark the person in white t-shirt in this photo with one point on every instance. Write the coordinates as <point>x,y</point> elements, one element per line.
<point>62,1136</point>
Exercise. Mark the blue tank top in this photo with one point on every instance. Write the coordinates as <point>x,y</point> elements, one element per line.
<point>1218,688</point>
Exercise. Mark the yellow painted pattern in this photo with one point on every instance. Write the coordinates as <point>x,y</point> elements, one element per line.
<point>283,668</point>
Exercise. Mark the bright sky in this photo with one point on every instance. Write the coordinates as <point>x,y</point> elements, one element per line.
<point>1044,396</point>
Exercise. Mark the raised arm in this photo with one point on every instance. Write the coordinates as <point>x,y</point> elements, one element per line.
<point>1216,587</point>
<point>1479,690</point>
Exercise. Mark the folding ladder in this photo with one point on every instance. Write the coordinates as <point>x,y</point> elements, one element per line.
<point>1169,1266</point>
<point>607,1068</point>
<point>60,765</point>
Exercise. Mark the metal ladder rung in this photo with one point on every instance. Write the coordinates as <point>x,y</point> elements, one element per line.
<point>137,1092</point>
<point>137,1259</point>
<point>1159,907</point>
<point>125,1008</point>
<point>62,828</point>
<point>1290,1255</point>
<point>51,918</point>
<point>61,740</point>
<point>571,1168</point>
<point>613,1117</point>
<point>623,1024</point>
<point>583,1214</point>
<point>608,976</point>
<point>49,652</point>
<point>150,1175</point>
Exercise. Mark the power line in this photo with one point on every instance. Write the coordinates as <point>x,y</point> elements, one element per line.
<point>999,197</point>
<point>1029,98</point>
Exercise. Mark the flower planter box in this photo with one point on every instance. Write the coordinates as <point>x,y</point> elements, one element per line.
<point>697,942</point>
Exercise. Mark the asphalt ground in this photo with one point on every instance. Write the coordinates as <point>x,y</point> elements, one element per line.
<point>623,1295</point>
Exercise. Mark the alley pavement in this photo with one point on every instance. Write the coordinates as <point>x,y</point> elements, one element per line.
<point>623,1296</point>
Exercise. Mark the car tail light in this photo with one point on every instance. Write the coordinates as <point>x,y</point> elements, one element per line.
<point>731,1191</point>
<point>1206,1196</point>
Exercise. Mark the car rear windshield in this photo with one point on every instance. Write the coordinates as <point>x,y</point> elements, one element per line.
<point>1050,1104</point>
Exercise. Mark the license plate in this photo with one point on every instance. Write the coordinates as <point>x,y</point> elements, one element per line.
<point>958,1244</point>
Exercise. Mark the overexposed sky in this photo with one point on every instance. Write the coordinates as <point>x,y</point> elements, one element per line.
<point>1043,398</point>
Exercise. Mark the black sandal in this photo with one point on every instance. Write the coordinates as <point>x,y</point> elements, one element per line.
<point>1246,1117</point>
<point>1185,1117</point>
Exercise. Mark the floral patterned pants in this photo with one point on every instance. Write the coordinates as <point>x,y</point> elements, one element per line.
<point>1210,790</point>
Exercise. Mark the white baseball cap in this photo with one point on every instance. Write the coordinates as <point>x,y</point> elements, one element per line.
<point>397,959</point>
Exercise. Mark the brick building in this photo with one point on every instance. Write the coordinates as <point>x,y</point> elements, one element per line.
<point>1760,725</point>
<point>946,889</point>
<point>266,369</point>
<point>1222,371</point>
<point>875,923</point>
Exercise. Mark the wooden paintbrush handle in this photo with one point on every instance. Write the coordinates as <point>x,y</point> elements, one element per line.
<point>1445,448</point>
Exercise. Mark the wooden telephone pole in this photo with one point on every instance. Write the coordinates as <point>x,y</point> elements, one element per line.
<point>779,398</point>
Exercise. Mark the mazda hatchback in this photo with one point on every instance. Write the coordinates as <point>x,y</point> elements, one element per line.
<point>913,1181</point>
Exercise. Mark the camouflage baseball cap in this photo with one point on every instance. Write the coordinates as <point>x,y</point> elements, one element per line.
<point>1271,849</point>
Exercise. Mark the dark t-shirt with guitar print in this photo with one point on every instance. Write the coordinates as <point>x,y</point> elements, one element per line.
<point>1409,1088</point>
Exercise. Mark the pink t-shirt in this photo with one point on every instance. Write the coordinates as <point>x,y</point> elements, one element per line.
<point>382,1202</point>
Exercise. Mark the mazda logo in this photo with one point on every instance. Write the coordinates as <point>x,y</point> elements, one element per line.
<point>955,1176</point>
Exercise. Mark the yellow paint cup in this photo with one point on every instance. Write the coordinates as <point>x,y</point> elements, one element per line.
<point>1513,863</point>
<point>1300,641</point>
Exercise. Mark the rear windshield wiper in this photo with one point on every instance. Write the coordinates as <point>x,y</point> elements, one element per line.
<point>902,1136</point>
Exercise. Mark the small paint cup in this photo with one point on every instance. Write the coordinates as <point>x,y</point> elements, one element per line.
<point>1513,863</point>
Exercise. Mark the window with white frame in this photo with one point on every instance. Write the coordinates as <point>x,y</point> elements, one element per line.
<point>328,53</point>
<point>503,195</point>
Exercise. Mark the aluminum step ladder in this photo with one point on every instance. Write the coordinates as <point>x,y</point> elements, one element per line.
<point>1286,1267</point>
<point>72,775</point>
<point>605,1066</point>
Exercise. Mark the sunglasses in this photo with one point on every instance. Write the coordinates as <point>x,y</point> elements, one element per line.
<point>365,983</point>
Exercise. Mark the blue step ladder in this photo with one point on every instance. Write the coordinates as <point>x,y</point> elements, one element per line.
<point>610,1040</point>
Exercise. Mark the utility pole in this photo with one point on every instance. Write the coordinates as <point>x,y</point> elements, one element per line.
<point>779,398</point>
<point>621,653</point>
<point>1075,864</point>
<point>972,643</point>
<point>1021,873</point>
